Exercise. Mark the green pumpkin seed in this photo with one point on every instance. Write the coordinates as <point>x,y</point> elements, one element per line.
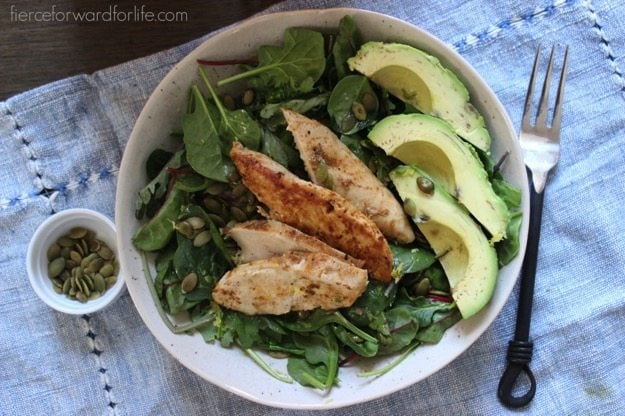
<point>196,222</point>
<point>348,122</point>
<point>238,214</point>
<point>425,185</point>
<point>106,270</point>
<point>229,102</point>
<point>105,252</point>
<point>189,283</point>
<point>99,284</point>
<point>184,228</point>
<point>65,252</point>
<point>215,188</point>
<point>94,245</point>
<point>423,287</point>
<point>54,251</point>
<point>213,206</point>
<point>67,286</point>
<point>65,241</point>
<point>56,267</point>
<point>87,260</point>
<point>57,282</point>
<point>369,101</point>
<point>95,295</point>
<point>110,281</point>
<point>88,279</point>
<point>359,111</point>
<point>81,297</point>
<point>77,233</point>
<point>57,289</point>
<point>200,240</point>
<point>239,190</point>
<point>75,256</point>
<point>248,97</point>
<point>95,265</point>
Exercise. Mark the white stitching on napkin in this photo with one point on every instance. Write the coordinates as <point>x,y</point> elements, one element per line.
<point>605,44</point>
<point>513,22</point>
<point>104,378</point>
<point>62,188</point>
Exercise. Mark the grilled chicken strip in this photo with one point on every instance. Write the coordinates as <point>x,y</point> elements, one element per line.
<point>294,281</point>
<point>331,164</point>
<point>261,239</point>
<point>315,210</point>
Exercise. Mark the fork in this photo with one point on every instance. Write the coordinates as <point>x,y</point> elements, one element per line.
<point>540,144</point>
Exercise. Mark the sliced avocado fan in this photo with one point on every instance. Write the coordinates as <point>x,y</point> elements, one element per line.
<point>468,258</point>
<point>432,145</point>
<point>419,79</point>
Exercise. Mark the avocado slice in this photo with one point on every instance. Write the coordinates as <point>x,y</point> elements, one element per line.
<point>419,79</point>
<point>431,144</point>
<point>469,260</point>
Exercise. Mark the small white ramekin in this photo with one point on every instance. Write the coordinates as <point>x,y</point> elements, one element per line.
<point>37,263</point>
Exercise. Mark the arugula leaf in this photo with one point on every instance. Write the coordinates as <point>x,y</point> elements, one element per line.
<point>202,141</point>
<point>293,68</point>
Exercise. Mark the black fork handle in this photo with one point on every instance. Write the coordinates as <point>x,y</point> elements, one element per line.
<point>520,348</point>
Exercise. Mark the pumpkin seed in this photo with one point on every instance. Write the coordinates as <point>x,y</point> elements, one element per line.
<point>95,295</point>
<point>65,241</point>
<point>94,245</point>
<point>85,262</point>
<point>369,101</point>
<point>65,252</point>
<point>89,280</point>
<point>359,111</point>
<point>75,256</point>
<point>229,102</point>
<point>67,286</point>
<point>213,205</point>
<point>81,297</point>
<point>106,270</point>
<point>348,122</point>
<point>105,252</point>
<point>54,251</point>
<point>99,284</point>
<point>84,246</point>
<point>238,190</point>
<point>189,283</point>
<point>57,289</point>
<point>77,233</point>
<point>56,267</point>
<point>220,222</point>
<point>248,97</point>
<point>57,282</point>
<point>184,228</point>
<point>200,240</point>
<point>196,222</point>
<point>110,281</point>
<point>215,188</point>
<point>238,214</point>
<point>423,287</point>
<point>425,185</point>
<point>95,265</point>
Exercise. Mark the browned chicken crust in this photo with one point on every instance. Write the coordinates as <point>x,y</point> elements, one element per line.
<point>315,210</point>
<point>295,281</point>
<point>347,175</point>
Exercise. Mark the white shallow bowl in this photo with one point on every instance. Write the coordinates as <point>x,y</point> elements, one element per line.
<point>37,263</point>
<point>230,368</point>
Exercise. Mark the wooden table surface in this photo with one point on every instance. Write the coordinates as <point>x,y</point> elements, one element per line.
<point>42,41</point>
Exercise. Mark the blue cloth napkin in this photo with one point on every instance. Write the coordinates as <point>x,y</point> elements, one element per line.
<point>61,147</point>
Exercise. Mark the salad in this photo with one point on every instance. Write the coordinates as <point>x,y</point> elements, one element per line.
<point>210,222</point>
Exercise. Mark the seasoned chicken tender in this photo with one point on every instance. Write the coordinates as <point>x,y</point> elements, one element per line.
<point>314,210</point>
<point>261,239</point>
<point>331,164</point>
<point>294,281</point>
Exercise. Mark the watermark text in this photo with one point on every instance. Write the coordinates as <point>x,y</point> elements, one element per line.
<point>112,14</point>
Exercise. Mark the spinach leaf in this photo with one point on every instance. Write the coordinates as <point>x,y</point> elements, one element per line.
<point>279,151</point>
<point>410,259</point>
<point>508,248</point>
<point>191,182</point>
<point>176,300</point>
<point>202,141</point>
<point>353,104</point>
<point>235,124</point>
<point>368,310</point>
<point>216,238</point>
<point>288,70</point>
<point>156,233</point>
<point>442,321</point>
<point>360,346</point>
<point>346,45</point>
<point>152,195</point>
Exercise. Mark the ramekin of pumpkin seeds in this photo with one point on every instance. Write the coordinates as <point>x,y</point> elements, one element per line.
<point>72,262</point>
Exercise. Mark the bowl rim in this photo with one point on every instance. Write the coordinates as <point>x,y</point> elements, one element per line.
<point>472,328</point>
<point>57,224</point>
